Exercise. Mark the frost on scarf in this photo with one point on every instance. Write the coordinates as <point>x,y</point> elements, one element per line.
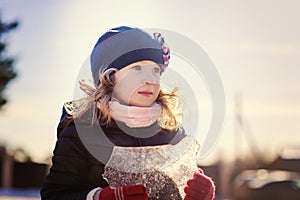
<point>164,170</point>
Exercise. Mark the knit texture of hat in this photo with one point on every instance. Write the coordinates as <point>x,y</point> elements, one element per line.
<point>122,46</point>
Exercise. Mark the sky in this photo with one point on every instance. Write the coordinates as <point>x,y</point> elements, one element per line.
<point>254,44</point>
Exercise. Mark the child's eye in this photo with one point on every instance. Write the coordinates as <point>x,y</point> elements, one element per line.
<point>137,67</point>
<point>156,70</point>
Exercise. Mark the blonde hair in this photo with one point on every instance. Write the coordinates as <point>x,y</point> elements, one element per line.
<point>169,119</point>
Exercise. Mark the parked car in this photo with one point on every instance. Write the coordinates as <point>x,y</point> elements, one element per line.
<point>265,184</point>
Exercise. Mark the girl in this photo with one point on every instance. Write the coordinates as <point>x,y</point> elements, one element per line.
<point>132,110</point>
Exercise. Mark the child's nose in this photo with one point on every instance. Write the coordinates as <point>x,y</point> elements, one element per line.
<point>150,83</point>
<point>149,78</point>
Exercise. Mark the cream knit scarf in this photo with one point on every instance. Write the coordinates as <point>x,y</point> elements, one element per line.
<point>134,116</point>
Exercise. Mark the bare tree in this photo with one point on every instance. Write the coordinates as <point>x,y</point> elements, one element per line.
<point>7,73</point>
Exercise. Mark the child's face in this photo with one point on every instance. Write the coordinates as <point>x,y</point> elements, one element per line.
<point>138,84</point>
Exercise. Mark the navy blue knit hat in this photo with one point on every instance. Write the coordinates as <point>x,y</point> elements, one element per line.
<point>122,46</point>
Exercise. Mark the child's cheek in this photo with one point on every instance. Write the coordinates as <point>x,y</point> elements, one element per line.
<point>124,89</point>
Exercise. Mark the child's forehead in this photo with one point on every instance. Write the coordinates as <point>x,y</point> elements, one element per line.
<point>144,63</point>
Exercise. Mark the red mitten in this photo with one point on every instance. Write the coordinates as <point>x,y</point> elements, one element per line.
<point>200,187</point>
<point>130,192</point>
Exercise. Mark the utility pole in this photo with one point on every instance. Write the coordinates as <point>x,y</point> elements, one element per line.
<point>243,132</point>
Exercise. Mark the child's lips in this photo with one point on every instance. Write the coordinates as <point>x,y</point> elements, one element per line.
<point>145,93</point>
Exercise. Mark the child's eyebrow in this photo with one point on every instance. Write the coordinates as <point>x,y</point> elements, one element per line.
<point>137,65</point>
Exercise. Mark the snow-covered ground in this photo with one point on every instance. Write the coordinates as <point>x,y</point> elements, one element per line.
<point>19,194</point>
<point>18,198</point>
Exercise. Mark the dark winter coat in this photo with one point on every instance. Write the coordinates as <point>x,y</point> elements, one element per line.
<point>75,171</point>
